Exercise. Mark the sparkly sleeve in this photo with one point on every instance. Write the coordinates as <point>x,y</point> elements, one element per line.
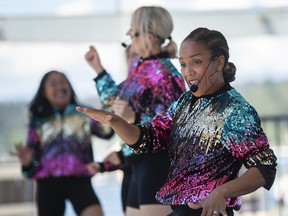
<point>106,87</point>
<point>243,136</point>
<point>166,89</point>
<point>34,143</point>
<point>155,136</point>
<point>107,166</point>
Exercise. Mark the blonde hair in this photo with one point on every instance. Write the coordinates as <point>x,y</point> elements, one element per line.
<point>157,21</point>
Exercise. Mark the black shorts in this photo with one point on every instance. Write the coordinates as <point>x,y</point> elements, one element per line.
<point>148,175</point>
<point>125,188</point>
<point>52,193</point>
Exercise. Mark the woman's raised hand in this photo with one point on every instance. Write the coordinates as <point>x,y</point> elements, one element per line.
<point>93,59</point>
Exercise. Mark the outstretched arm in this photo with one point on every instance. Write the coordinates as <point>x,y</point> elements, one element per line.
<point>129,133</point>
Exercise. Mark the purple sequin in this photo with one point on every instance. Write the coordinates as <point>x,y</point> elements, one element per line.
<point>209,139</point>
<point>62,144</point>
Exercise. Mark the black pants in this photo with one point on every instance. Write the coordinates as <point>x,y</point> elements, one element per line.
<point>52,193</point>
<point>186,211</point>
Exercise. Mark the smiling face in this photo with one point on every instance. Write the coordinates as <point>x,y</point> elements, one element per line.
<point>57,90</point>
<point>199,68</point>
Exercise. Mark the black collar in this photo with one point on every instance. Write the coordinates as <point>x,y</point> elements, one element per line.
<point>225,88</point>
<point>157,56</point>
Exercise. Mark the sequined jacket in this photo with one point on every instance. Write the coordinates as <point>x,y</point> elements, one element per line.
<point>208,138</point>
<point>152,85</point>
<point>62,144</point>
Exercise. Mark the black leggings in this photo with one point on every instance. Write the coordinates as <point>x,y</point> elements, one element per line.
<point>186,211</point>
<point>52,193</point>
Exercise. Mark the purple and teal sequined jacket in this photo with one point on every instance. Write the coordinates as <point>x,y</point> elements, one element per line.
<point>62,144</point>
<point>209,139</point>
<point>152,85</point>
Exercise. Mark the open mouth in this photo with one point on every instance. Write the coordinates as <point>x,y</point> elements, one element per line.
<point>61,94</point>
<point>193,82</point>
